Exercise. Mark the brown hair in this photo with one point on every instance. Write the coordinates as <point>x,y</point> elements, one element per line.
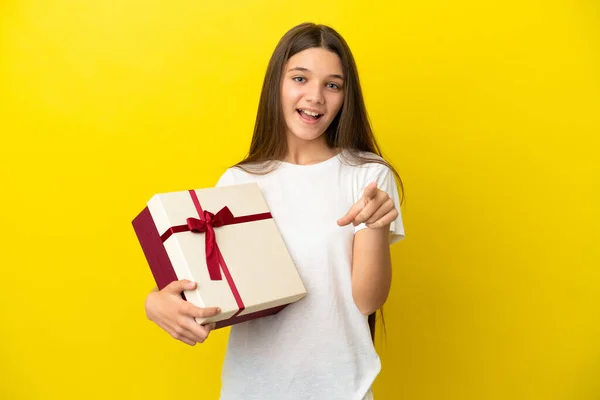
<point>350,129</point>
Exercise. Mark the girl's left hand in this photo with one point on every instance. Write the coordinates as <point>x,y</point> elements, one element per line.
<point>376,208</point>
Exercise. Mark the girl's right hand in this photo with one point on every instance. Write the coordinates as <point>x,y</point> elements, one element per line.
<point>176,316</point>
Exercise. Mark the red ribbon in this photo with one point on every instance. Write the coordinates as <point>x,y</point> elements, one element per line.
<point>206,224</point>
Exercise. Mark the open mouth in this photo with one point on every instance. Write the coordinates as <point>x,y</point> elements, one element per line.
<point>308,116</point>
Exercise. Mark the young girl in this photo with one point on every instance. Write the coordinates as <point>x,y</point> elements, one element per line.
<point>337,206</point>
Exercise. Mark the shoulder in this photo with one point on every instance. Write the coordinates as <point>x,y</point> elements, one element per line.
<point>364,163</point>
<point>231,176</point>
<point>238,175</point>
<point>363,168</point>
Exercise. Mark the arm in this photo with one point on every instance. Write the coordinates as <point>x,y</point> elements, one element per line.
<point>371,269</point>
<point>373,216</point>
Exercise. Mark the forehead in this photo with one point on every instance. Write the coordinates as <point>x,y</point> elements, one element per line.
<point>317,60</point>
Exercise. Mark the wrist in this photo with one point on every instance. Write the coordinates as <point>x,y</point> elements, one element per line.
<point>382,228</point>
<point>148,304</point>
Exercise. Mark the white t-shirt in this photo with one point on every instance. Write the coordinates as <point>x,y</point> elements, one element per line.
<point>319,348</point>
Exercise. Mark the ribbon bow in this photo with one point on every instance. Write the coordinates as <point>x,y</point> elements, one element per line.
<point>206,225</point>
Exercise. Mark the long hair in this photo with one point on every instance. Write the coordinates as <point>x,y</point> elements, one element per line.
<point>350,129</point>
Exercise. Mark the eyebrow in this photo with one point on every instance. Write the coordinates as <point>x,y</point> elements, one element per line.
<point>308,70</point>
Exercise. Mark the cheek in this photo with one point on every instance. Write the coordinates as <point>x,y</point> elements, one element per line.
<point>290,94</point>
<point>335,102</point>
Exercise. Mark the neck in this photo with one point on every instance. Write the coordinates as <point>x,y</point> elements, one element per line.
<point>305,152</point>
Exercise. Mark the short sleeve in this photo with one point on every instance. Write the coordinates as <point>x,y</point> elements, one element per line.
<point>385,181</point>
<point>227,179</point>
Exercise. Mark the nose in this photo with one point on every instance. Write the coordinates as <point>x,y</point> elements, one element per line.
<point>315,93</point>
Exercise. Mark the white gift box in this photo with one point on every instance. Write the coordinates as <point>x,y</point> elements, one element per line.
<point>226,241</point>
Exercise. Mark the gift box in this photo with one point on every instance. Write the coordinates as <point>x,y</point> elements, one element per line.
<point>225,240</point>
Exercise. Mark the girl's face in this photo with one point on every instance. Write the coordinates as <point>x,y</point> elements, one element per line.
<point>312,92</point>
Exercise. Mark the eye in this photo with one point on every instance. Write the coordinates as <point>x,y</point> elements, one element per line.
<point>333,85</point>
<point>299,79</point>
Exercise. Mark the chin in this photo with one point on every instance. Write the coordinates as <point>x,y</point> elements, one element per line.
<point>306,133</point>
<point>308,136</point>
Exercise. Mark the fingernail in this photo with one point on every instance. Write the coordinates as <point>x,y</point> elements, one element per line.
<point>191,284</point>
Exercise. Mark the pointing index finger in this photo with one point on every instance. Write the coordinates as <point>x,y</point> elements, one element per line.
<point>370,191</point>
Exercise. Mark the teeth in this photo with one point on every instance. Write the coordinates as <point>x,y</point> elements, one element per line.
<point>312,114</point>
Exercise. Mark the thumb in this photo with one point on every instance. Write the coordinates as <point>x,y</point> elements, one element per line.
<point>177,287</point>
<point>351,214</point>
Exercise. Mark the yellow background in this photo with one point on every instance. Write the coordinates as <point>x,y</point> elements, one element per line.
<point>490,111</point>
